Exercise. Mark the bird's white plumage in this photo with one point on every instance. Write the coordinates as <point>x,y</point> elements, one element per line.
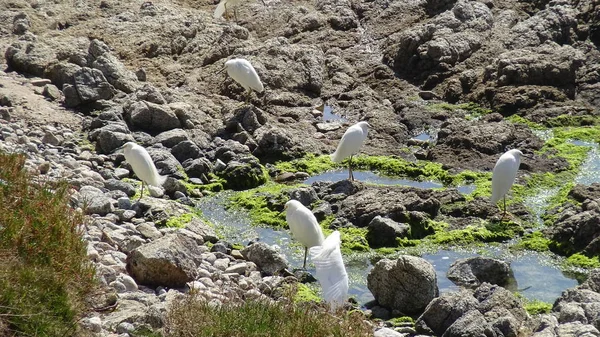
<point>220,10</point>
<point>330,270</point>
<point>242,71</point>
<point>504,174</point>
<point>142,164</point>
<point>303,224</point>
<point>351,141</point>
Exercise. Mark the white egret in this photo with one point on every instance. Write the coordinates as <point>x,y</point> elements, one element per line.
<point>351,142</point>
<point>242,71</point>
<point>331,272</point>
<point>222,8</point>
<point>303,225</point>
<point>142,165</point>
<point>504,174</point>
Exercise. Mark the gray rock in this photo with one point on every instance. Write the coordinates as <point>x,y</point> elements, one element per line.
<point>170,261</point>
<point>203,229</point>
<point>21,24</point>
<point>50,138</point>
<point>148,230</point>
<point>407,284</point>
<point>171,138</point>
<point>382,232</point>
<point>186,150</point>
<point>111,137</point>
<point>114,71</point>
<point>150,93</point>
<point>243,175</point>
<point>91,85</point>
<point>387,332</point>
<point>113,184</point>
<point>198,168</point>
<point>473,271</point>
<point>93,201</point>
<point>306,195</point>
<point>51,91</point>
<point>267,259</point>
<point>471,324</point>
<point>152,117</point>
<point>29,57</point>
<point>443,311</point>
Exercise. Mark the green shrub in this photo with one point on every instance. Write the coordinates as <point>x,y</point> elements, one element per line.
<point>193,316</point>
<point>44,271</point>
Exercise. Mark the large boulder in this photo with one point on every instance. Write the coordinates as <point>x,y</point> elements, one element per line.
<point>490,310</point>
<point>152,117</point>
<point>170,261</point>
<point>406,284</point>
<point>267,259</point>
<point>382,232</point>
<point>93,201</point>
<point>471,272</point>
<point>244,174</point>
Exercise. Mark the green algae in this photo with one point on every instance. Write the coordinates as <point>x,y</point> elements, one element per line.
<point>311,164</point>
<point>570,120</point>
<point>180,221</point>
<point>485,231</point>
<point>260,203</point>
<point>582,261</point>
<point>537,307</point>
<point>305,293</point>
<point>516,119</point>
<point>401,320</point>
<point>533,241</point>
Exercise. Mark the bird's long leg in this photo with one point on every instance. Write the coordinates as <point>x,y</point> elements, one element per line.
<point>350,174</point>
<point>504,214</point>
<point>226,14</point>
<point>305,253</point>
<point>235,14</point>
<point>248,96</point>
<point>142,194</point>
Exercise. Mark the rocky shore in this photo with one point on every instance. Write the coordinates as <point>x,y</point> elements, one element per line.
<point>80,79</point>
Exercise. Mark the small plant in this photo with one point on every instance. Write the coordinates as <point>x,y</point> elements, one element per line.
<point>537,307</point>
<point>45,274</point>
<point>193,316</point>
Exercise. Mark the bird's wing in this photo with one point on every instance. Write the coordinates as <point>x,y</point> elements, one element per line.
<point>220,10</point>
<point>143,166</point>
<point>305,227</point>
<point>330,270</point>
<point>350,143</point>
<point>252,77</point>
<point>503,176</point>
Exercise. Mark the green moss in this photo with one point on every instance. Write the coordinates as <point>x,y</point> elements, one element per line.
<point>244,176</point>
<point>261,204</point>
<point>534,241</point>
<point>353,240</point>
<point>401,320</point>
<point>310,164</point>
<point>216,185</point>
<point>305,293</point>
<point>570,120</point>
<point>582,261</point>
<point>180,221</point>
<point>536,307</point>
<point>486,231</point>
<point>516,119</point>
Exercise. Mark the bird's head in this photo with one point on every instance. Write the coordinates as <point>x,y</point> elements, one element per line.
<point>364,125</point>
<point>125,147</point>
<point>291,204</point>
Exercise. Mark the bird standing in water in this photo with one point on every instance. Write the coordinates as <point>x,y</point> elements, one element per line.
<point>303,225</point>
<point>351,142</point>
<point>504,174</point>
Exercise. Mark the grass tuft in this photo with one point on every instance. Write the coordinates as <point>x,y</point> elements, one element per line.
<point>45,274</point>
<point>193,316</point>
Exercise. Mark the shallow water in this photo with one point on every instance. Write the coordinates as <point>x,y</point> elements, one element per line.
<point>532,271</point>
<point>590,169</point>
<point>329,116</point>
<point>374,178</point>
<point>423,137</point>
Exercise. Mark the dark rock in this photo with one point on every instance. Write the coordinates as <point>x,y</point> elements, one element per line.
<point>471,272</point>
<point>382,232</point>
<point>113,184</point>
<point>443,311</point>
<point>186,150</point>
<point>198,168</point>
<point>152,117</point>
<point>243,175</point>
<point>306,195</point>
<point>171,138</point>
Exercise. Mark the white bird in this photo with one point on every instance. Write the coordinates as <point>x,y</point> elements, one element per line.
<point>142,165</point>
<point>242,71</point>
<point>303,225</point>
<point>351,142</point>
<point>331,272</point>
<point>504,174</point>
<point>222,8</point>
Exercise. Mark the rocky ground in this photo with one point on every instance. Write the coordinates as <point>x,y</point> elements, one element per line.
<point>82,77</point>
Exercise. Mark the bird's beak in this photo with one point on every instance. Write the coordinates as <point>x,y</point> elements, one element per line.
<point>220,71</point>
<point>263,1</point>
<point>120,149</point>
<point>530,156</point>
